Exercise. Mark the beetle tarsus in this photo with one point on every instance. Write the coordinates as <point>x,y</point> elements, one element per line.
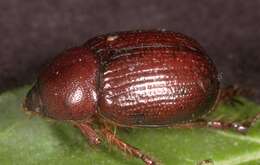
<point>238,127</point>
<point>148,160</point>
<point>206,162</point>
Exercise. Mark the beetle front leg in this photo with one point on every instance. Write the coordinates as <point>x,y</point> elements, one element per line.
<point>111,138</point>
<point>89,133</point>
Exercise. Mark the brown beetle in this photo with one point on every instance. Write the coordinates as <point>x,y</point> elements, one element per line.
<point>129,79</point>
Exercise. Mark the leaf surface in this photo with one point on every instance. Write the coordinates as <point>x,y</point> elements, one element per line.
<point>37,141</point>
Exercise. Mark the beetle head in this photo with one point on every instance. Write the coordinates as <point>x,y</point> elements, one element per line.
<point>33,103</point>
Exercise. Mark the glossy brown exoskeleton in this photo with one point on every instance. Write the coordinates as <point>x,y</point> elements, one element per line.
<point>128,79</point>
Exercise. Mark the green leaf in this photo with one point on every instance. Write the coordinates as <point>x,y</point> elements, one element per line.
<point>29,141</point>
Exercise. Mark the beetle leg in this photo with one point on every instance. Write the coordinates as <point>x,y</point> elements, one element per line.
<point>111,138</point>
<point>206,162</point>
<point>238,127</point>
<point>89,133</point>
<point>227,95</point>
<point>241,128</point>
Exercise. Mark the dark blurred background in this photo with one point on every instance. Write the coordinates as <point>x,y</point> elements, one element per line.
<point>32,32</point>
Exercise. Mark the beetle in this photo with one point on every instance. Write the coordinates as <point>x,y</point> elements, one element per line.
<point>143,78</point>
